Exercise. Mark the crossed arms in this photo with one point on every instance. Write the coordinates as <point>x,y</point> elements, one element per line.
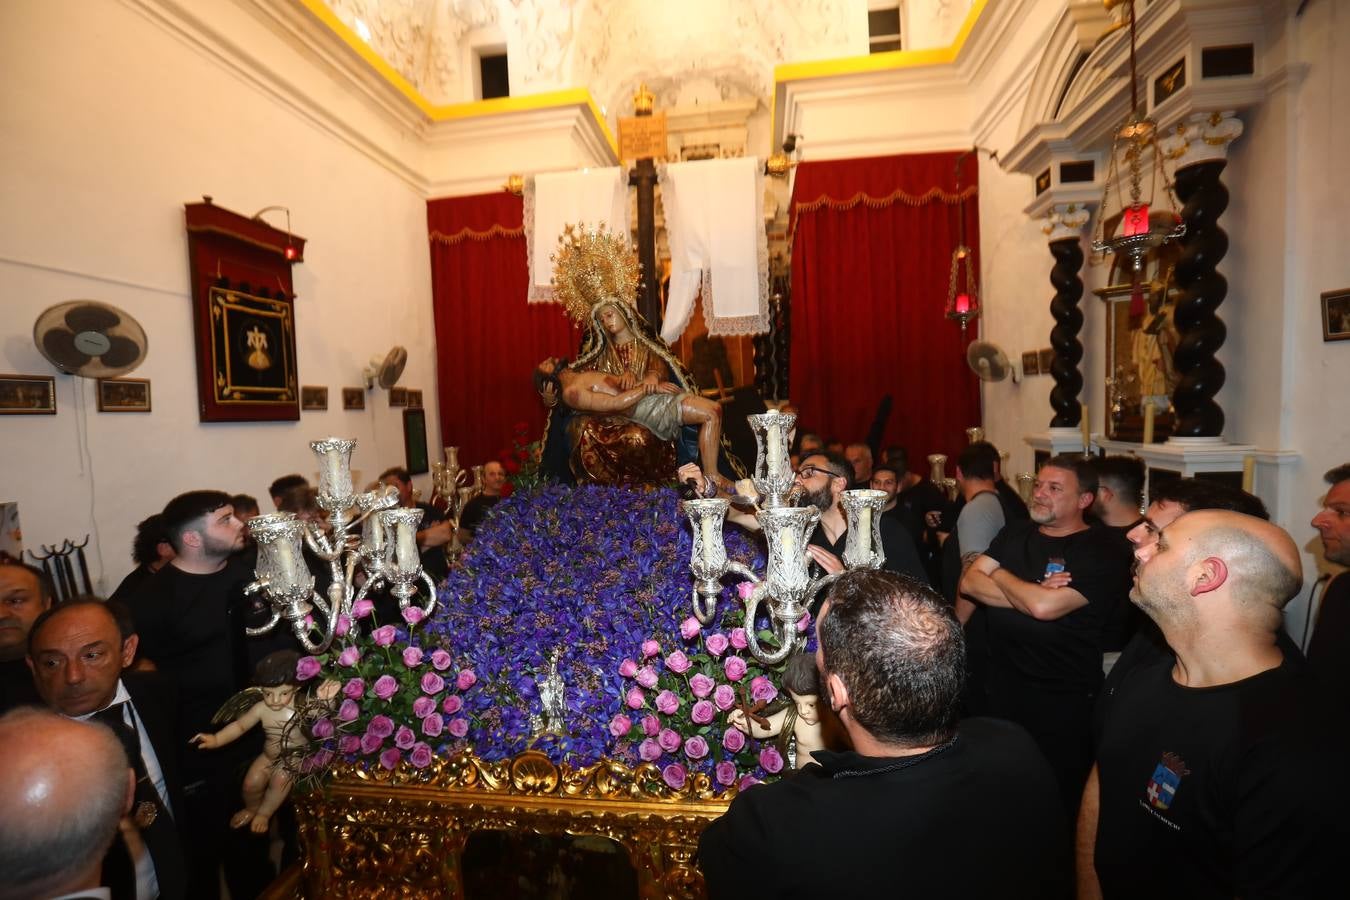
<point>986,581</point>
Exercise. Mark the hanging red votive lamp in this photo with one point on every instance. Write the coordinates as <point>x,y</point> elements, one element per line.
<point>962,294</point>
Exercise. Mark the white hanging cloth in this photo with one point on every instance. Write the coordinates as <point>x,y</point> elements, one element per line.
<point>714,213</point>
<point>555,200</point>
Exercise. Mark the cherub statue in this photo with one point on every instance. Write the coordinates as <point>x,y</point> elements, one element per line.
<point>271,703</point>
<point>798,719</point>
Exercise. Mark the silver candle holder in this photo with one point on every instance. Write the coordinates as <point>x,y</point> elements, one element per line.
<point>773,477</point>
<point>862,543</point>
<point>937,468</point>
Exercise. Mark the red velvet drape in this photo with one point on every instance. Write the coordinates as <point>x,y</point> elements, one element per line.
<point>871,265</point>
<point>488,339</point>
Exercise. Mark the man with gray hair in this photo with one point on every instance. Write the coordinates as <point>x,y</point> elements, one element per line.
<point>883,818</point>
<point>1214,778</point>
<point>64,788</point>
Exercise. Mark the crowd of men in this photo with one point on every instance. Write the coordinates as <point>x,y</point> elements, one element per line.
<point>1066,696</point>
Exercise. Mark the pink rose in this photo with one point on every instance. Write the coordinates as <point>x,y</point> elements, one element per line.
<point>452,704</point>
<point>745,589</point>
<point>646,676</point>
<point>649,750</point>
<point>673,775</point>
<point>322,729</point>
<point>349,656</point>
<point>738,639</point>
<point>668,740</point>
<point>724,697</point>
<point>635,698</point>
<point>459,727</point>
<point>440,660</point>
<point>804,623</point>
<point>321,759</point>
<point>678,663</point>
<point>413,614</point>
<point>466,680</point>
<point>770,759</point>
<point>717,644</point>
<point>420,756</point>
<point>696,747</point>
<point>370,743</point>
<point>384,635</point>
<point>432,726</point>
<point>690,628</point>
<point>734,667</point>
<point>650,648</point>
<point>381,727</point>
<point>343,625</point>
<point>389,758</point>
<point>748,782</point>
<point>412,657</point>
<point>627,668</point>
<point>667,702</point>
<point>348,711</point>
<point>423,707</point>
<point>362,608</point>
<point>620,725</point>
<point>761,688</point>
<point>650,726</point>
<point>703,712</point>
<point>432,683</point>
<point>385,687</point>
<point>725,773</point>
<point>349,743</point>
<point>404,737</point>
<point>701,685</point>
<point>355,689</point>
<point>307,667</point>
<point>734,740</point>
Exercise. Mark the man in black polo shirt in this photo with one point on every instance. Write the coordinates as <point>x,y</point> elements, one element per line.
<point>1048,586</point>
<point>922,806</point>
<point>433,533</point>
<point>1216,777</point>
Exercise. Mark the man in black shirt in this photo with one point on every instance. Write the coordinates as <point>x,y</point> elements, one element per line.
<point>1329,649</point>
<point>150,551</point>
<point>1048,586</point>
<point>187,617</point>
<point>494,479</point>
<point>433,532</point>
<point>25,592</point>
<point>880,820</point>
<point>1213,778</point>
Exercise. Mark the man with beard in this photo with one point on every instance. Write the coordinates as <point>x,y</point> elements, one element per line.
<point>188,619</point>
<point>1215,776</point>
<point>1329,649</point>
<point>1049,586</point>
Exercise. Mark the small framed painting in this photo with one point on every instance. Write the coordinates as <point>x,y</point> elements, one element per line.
<point>414,398</point>
<point>123,395</point>
<point>398,396</point>
<point>1031,363</point>
<point>27,395</point>
<point>353,398</point>
<point>313,397</point>
<point>1336,315</point>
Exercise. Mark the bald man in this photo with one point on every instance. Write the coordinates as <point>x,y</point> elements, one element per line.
<point>64,788</point>
<point>1212,779</point>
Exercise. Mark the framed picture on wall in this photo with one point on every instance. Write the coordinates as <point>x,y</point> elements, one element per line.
<point>415,441</point>
<point>1031,363</point>
<point>398,396</point>
<point>1336,315</point>
<point>313,397</point>
<point>123,395</point>
<point>353,398</point>
<point>27,395</point>
<point>415,398</point>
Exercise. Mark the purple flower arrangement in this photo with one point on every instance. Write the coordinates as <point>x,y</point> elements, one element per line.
<point>401,694</point>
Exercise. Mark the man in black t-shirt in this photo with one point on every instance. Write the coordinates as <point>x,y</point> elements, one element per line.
<point>494,479</point>
<point>433,533</point>
<point>1214,777</point>
<point>1329,649</point>
<point>882,819</point>
<point>1048,586</point>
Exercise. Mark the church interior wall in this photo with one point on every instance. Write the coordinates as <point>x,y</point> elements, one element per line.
<point>112,124</point>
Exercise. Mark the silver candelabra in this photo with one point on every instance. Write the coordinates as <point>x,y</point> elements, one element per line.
<point>786,587</point>
<point>456,486</point>
<point>386,551</point>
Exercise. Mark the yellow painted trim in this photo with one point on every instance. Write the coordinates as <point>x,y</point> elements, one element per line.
<point>873,62</point>
<point>467,110</point>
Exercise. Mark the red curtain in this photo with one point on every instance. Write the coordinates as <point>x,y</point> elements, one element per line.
<point>871,264</point>
<point>488,339</point>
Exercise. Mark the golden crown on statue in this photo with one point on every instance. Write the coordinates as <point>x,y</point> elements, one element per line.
<point>592,266</point>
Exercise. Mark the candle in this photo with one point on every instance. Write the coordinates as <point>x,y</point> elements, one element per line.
<point>1149,411</point>
<point>283,563</point>
<point>1087,429</point>
<point>865,530</point>
<point>408,560</point>
<point>963,303</point>
<point>789,542</point>
<point>374,533</point>
<point>706,528</point>
<point>774,452</point>
<point>1248,473</point>
<point>1135,220</point>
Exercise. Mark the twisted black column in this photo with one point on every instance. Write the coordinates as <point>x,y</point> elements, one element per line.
<point>1068,253</point>
<point>1202,290</point>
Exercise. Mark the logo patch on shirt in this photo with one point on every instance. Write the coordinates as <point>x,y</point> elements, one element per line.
<point>1162,787</point>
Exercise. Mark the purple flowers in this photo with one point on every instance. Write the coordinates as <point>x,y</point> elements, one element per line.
<point>650,648</point>
<point>674,775</point>
<point>384,635</point>
<point>459,727</point>
<point>349,656</point>
<point>733,739</point>
<point>645,676</point>
<point>620,725</point>
<point>650,751</point>
<point>724,697</point>
<point>725,772</point>
<point>628,668</point>
<point>420,756</point>
<point>734,667</point>
<point>762,689</point>
<point>667,702</point>
<point>696,747</point>
<point>385,687</point>
<point>668,740</point>
<point>381,727</point>
<point>432,683</point>
<point>307,667</point>
<point>703,712</point>
<point>771,760</point>
<point>440,660</point>
<point>355,689</point>
<point>433,725</point>
<point>466,680</point>
<point>413,614</point>
<point>423,707</point>
<point>362,608</point>
<point>690,628</point>
<point>701,685</point>
<point>635,698</point>
<point>322,729</point>
<point>412,656</point>
<point>717,644</point>
<point>404,737</point>
<point>678,663</point>
<point>348,711</point>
